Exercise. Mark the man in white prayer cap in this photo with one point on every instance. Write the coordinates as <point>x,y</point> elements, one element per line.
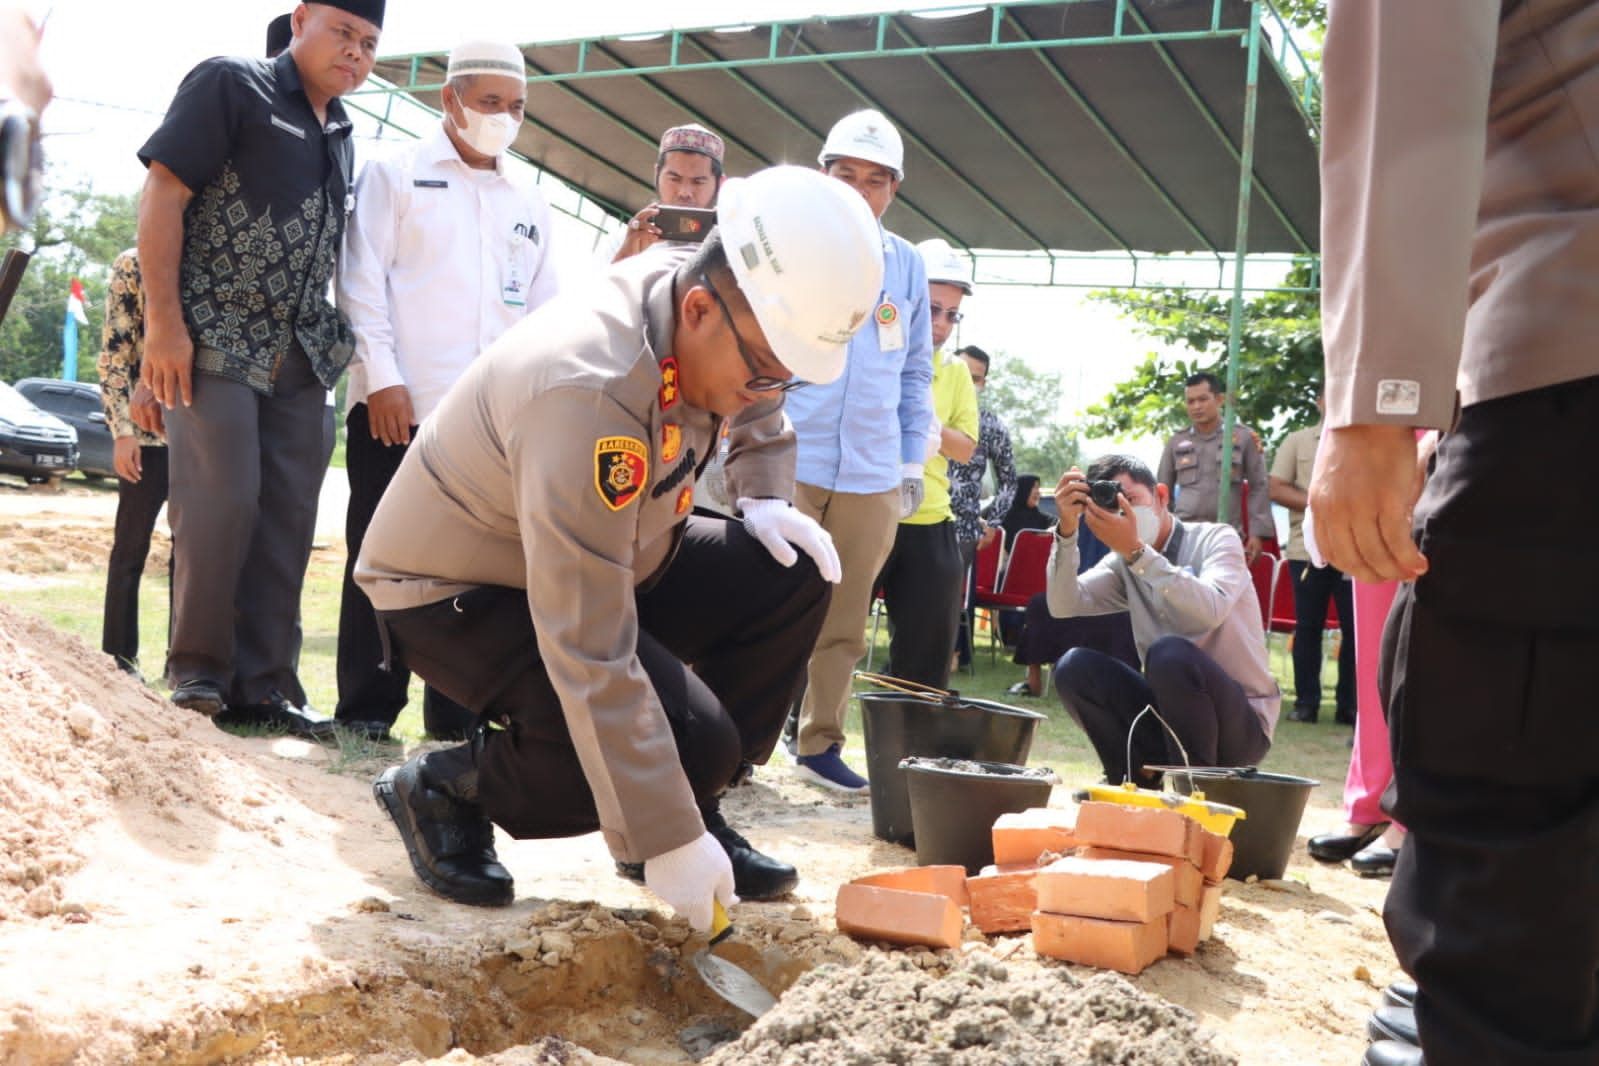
<point>445,251</point>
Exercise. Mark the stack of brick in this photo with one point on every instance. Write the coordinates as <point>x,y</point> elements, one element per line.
<point>1115,887</point>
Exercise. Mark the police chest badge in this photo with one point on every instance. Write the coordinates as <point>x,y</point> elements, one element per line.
<point>621,466</point>
<point>671,441</point>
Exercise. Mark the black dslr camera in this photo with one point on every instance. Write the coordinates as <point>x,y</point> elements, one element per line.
<point>1104,493</point>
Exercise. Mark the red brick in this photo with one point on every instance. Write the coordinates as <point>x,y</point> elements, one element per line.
<point>1209,908</point>
<point>1120,891</point>
<point>1186,879</point>
<point>1003,902</point>
<point>1183,935</point>
<point>868,913</point>
<point>1155,830</point>
<point>1125,946</point>
<point>1217,858</point>
<point>1025,835</point>
<point>941,880</point>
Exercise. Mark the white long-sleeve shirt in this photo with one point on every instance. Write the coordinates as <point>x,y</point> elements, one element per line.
<point>439,261</point>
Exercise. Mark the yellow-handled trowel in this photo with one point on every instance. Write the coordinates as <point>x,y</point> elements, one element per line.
<point>725,979</point>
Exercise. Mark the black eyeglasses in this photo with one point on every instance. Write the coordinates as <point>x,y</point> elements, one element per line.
<point>948,312</point>
<point>760,382</point>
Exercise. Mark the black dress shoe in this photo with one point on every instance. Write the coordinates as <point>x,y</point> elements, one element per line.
<point>1344,717</point>
<point>1336,847</point>
<point>1393,1053</point>
<point>1303,714</point>
<point>450,843</point>
<point>1400,994</point>
<point>756,877</point>
<point>1374,860</point>
<point>1394,1023</point>
<point>201,696</point>
<point>365,728</point>
<point>277,713</point>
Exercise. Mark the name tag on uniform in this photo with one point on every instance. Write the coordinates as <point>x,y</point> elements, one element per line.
<point>514,291</point>
<point>890,329</point>
<point>288,127</point>
<point>431,183</point>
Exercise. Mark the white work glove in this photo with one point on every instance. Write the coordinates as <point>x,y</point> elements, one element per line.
<point>779,526</point>
<point>910,489</point>
<point>935,439</point>
<point>689,877</point>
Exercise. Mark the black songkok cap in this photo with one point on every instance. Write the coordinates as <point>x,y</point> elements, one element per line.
<point>371,10</point>
<point>279,34</point>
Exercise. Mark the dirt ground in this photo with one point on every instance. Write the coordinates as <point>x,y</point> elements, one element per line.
<point>173,894</point>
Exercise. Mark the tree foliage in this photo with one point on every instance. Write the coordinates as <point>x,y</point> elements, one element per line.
<point>1279,364</point>
<point>76,234</point>
<point>1028,400</point>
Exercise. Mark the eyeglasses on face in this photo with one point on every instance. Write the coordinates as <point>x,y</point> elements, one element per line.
<point>759,382</point>
<point>950,313</point>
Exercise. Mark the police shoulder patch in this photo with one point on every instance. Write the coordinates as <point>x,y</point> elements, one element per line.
<point>621,467</point>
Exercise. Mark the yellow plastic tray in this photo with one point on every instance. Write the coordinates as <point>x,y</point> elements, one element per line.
<point>1216,817</point>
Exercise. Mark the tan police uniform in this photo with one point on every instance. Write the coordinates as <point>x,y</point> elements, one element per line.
<point>563,464</point>
<point>1191,467</point>
<point>1460,232</point>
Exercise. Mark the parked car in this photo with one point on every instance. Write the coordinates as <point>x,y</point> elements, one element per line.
<point>77,403</point>
<point>33,443</point>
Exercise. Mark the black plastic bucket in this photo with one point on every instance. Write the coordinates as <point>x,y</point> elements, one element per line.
<point>1273,805</point>
<point>955,802</point>
<point>899,725</point>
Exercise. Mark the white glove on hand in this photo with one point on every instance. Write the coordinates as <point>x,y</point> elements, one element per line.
<point>689,877</point>
<point>935,439</point>
<point>779,526</point>
<point>910,489</point>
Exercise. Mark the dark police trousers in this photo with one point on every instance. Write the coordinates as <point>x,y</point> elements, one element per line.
<point>1488,670</point>
<point>921,583</point>
<point>746,624</point>
<point>1206,708</point>
<point>138,504</point>
<point>1313,587</point>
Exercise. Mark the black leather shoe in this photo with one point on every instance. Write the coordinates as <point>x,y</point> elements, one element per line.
<point>1392,1053</point>
<point>1374,860</point>
<point>1394,1023</point>
<point>1400,994</point>
<point>1336,847</point>
<point>450,843</point>
<point>365,728</point>
<point>1344,716</point>
<point>276,712</point>
<point>1303,714</point>
<point>756,877</point>
<point>201,696</point>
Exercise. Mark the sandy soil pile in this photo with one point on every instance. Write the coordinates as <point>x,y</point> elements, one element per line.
<point>172,894</point>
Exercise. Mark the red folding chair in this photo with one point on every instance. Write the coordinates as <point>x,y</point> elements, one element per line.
<point>1025,576</point>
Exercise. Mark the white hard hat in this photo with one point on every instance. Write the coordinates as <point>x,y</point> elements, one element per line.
<point>808,256</point>
<point>945,264</point>
<point>865,135</point>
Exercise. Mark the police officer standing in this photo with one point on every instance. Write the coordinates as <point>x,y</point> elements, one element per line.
<point>536,559</point>
<point>1190,467</point>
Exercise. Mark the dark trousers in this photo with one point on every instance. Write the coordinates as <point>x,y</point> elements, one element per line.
<point>246,472</point>
<point>724,605</point>
<point>1488,676</point>
<point>1204,706</point>
<point>369,692</point>
<point>1313,587</point>
<point>138,504</point>
<point>921,583</point>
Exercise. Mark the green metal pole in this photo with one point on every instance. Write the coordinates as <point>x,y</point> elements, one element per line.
<point>1235,329</point>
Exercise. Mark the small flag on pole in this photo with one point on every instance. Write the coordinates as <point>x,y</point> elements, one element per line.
<point>69,331</point>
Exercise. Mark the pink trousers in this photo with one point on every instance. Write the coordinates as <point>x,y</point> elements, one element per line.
<point>1371,764</point>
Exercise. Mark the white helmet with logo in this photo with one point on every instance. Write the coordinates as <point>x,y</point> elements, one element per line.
<point>865,135</point>
<point>808,256</point>
<point>945,264</point>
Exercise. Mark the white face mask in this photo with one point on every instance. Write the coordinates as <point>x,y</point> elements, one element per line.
<point>489,134</point>
<point>1148,524</point>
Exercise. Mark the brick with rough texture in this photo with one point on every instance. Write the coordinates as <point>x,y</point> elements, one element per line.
<point>943,880</point>
<point>1186,878</point>
<point>1209,908</point>
<point>1217,856</point>
<point>1025,835</point>
<point>1125,946</point>
<point>1104,888</point>
<point>869,913</point>
<point>1182,936</point>
<point>1156,830</point>
<point>1003,902</point>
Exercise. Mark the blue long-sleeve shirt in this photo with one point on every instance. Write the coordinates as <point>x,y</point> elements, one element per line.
<point>854,433</point>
